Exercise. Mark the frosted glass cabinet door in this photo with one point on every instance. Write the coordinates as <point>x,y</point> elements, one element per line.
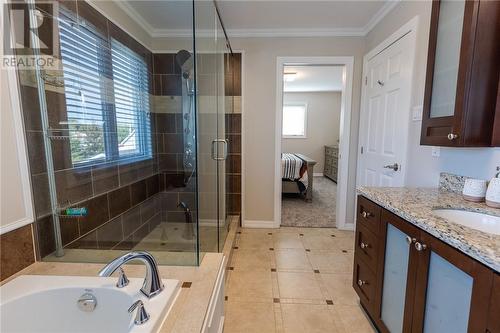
<point>397,254</point>
<point>449,294</point>
<point>447,58</point>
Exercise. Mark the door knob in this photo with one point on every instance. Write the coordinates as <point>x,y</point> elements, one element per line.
<point>361,283</point>
<point>452,136</point>
<point>366,214</point>
<point>381,83</point>
<point>394,166</point>
<point>364,245</point>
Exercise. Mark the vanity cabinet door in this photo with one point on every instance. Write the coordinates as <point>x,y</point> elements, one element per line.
<point>463,65</point>
<point>494,313</point>
<point>451,289</point>
<point>397,274</point>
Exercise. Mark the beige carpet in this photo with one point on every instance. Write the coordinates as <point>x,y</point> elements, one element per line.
<point>320,213</point>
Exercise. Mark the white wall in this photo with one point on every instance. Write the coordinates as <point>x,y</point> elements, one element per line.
<point>423,169</point>
<point>323,125</point>
<point>259,102</point>
<point>16,209</point>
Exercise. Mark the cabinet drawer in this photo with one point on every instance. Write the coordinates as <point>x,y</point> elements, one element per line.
<point>368,215</point>
<point>364,282</point>
<point>367,246</point>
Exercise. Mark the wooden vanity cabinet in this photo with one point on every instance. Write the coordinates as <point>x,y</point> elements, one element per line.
<point>494,312</point>
<point>496,126</point>
<point>419,283</point>
<point>463,66</point>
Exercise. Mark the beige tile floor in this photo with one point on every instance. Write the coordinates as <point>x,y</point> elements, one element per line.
<point>293,280</point>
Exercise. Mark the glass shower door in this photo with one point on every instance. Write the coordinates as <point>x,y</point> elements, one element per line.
<point>212,146</point>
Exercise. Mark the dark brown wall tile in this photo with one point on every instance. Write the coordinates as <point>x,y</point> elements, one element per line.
<point>131,220</point>
<point>233,164</point>
<point>163,63</point>
<point>110,234</point>
<point>138,192</point>
<point>56,109</point>
<point>105,178</point>
<point>45,236</point>
<point>149,208</point>
<point>69,229</point>
<point>16,251</point>
<point>132,172</point>
<point>142,232</point>
<point>233,123</point>
<point>36,152</point>
<point>41,194</point>
<point>119,201</point>
<point>171,85</point>
<point>153,185</point>
<point>165,123</point>
<point>97,213</point>
<point>234,143</point>
<point>73,185</point>
<point>168,163</point>
<point>173,143</point>
<point>233,183</point>
<point>31,108</point>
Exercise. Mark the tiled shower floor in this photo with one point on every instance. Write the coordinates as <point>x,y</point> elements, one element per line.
<point>293,280</point>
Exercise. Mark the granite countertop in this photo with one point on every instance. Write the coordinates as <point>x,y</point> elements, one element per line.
<point>188,312</point>
<point>416,204</point>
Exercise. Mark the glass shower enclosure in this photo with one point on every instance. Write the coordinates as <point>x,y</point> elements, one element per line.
<point>127,146</point>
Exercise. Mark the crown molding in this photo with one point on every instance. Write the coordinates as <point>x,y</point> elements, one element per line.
<point>379,15</point>
<point>134,15</point>
<point>249,33</point>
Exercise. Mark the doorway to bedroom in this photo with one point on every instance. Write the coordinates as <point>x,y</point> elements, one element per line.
<point>311,107</point>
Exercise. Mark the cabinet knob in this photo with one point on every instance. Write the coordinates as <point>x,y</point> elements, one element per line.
<point>364,245</point>
<point>410,240</point>
<point>361,283</point>
<point>452,136</point>
<point>366,214</point>
<point>420,247</point>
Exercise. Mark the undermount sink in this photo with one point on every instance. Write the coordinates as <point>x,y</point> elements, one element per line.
<point>38,303</point>
<point>482,222</point>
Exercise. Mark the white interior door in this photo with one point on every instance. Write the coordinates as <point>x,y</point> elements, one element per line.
<point>386,115</point>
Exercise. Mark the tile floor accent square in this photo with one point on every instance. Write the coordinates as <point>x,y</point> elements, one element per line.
<point>329,302</point>
<point>186,284</point>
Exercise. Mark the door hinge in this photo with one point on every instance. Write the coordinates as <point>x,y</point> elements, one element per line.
<point>366,80</point>
<point>361,149</point>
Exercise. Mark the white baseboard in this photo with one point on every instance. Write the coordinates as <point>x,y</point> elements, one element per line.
<point>259,224</point>
<point>318,174</point>
<point>348,227</point>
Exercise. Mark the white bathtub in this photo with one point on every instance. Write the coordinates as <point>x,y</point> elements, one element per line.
<point>38,303</point>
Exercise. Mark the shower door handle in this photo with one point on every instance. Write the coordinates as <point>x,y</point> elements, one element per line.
<point>215,152</point>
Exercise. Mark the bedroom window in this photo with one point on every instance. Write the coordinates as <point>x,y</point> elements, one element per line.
<point>294,121</point>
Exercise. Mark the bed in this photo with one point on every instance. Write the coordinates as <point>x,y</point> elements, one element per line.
<point>291,181</point>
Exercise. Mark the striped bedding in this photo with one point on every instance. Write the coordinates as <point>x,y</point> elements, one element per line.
<point>290,166</point>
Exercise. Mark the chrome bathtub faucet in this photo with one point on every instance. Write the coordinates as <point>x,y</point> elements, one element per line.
<point>152,285</point>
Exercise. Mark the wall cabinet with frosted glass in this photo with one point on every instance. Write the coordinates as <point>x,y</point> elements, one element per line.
<point>463,68</point>
<point>410,281</point>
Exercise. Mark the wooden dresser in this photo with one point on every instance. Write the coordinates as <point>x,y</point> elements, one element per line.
<point>331,162</point>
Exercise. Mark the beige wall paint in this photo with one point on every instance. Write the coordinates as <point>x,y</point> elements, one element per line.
<point>323,124</point>
<point>259,109</point>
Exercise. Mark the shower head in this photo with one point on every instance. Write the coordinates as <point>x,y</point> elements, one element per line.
<point>184,59</point>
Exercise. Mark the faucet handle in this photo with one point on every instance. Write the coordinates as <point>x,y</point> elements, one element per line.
<point>122,279</point>
<point>141,315</point>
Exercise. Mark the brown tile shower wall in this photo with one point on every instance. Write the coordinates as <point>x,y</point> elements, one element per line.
<point>122,199</point>
<point>233,134</point>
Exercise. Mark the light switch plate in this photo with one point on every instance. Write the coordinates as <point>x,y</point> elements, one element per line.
<point>436,151</point>
<point>416,113</point>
